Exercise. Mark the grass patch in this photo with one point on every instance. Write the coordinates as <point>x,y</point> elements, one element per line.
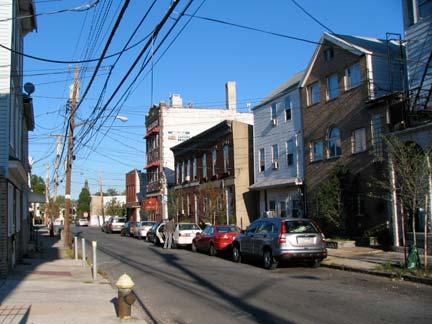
<point>69,253</point>
<point>399,270</point>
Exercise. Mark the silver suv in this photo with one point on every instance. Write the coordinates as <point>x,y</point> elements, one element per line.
<point>277,239</point>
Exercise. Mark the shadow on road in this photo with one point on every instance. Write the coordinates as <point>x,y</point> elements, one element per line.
<point>238,303</point>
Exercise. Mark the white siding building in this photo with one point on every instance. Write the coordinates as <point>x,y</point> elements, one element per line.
<point>16,119</point>
<point>278,151</point>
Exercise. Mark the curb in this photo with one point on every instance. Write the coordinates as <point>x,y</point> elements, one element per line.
<point>425,281</point>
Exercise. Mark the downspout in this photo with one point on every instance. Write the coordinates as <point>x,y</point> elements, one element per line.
<point>394,213</point>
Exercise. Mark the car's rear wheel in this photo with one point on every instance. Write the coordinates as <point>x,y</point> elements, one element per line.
<point>212,250</point>
<point>236,256</point>
<point>269,261</point>
<point>156,241</point>
<point>194,247</point>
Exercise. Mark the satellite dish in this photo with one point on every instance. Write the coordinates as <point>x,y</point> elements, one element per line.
<point>29,88</point>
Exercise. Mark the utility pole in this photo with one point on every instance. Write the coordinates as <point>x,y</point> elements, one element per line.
<point>101,197</point>
<point>47,194</point>
<point>59,144</point>
<point>69,158</point>
<point>163,179</point>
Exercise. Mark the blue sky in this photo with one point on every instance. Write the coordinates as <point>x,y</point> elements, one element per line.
<point>203,58</point>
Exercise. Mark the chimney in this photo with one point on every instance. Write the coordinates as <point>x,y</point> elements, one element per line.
<point>176,101</point>
<point>231,96</point>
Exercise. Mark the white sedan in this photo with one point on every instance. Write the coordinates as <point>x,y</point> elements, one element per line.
<point>83,222</point>
<point>185,233</point>
<point>142,229</point>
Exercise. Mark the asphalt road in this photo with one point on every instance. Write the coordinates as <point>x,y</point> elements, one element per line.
<point>179,286</point>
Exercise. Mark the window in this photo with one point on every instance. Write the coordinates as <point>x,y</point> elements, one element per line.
<point>317,151</point>
<point>313,93</point>
<point>334,143</point>
<point>195,168</point>
<point>183,171</point>
<point>288,108</point>
<point>376,130</point>
<point>328,54</point>
<point>272,205</point>
<point>275,153</point>
<point>226,157</point>
<point>178,173</point>
<point>188,169</point>
<point>290,152</point>
<point>425,8</point>
<point>296,208</point>
<point>332,87</point>
<point>273,111</point>
<point>204,165</point>
<point>282,206</point>
<point>358,140</point>
<point>214,160</point>
<point>261,160</point>
<point>352,76</point>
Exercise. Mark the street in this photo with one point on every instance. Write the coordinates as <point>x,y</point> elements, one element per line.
<point>179,286</point>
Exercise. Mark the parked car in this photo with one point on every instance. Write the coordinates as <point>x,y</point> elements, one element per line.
<point>104,227</point>
<point>142,228</point>
<point>58,226</point>
<point>115,224</point>
<point>184,233</point>
<point>82,222</point>
<point>277,239</point>
<point>126,229</point>
<point>215,238</point>
<point>156,233</point>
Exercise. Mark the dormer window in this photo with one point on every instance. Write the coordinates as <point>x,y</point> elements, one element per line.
<point>328,54</point>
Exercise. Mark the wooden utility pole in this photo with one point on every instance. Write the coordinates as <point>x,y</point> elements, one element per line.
<point>69,159</point>
<point>101,197</point>
<point>48,217</point>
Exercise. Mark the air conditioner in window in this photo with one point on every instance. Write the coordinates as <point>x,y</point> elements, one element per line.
<point>274,122</point>
<point>275,165</point>
<point>187,178</point>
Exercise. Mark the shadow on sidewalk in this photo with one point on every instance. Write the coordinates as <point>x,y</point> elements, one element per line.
<point>28,265</point>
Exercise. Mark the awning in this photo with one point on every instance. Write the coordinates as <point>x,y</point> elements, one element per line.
<point>151,203</point>
<point>35,197</point>
<point>152,131</point>
<point>152,165</point>
<point>276,183</point>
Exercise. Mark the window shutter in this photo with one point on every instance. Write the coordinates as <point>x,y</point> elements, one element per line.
<point>10,209</point>
<point>18,210</point>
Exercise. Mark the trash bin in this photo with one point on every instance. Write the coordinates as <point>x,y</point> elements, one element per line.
<point>413,260</point>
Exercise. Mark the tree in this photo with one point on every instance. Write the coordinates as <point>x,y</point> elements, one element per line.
<point>83,202</point>
<point>114,207</point>
<point>37,184</point>
<point>112,192</point>
<point>328,204</point>
<point>214,203</point>
<point>411,168</point>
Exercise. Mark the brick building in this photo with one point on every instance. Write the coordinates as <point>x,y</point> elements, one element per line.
<point>169,125</point>
<point>16,120</point>
<point>350,98</point>
<point>214,170</point>
<point>135,193</point>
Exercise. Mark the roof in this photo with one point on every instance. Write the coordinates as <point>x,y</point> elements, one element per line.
<point>357,45</point>
<point>276,183</point>
<point>282,89</point>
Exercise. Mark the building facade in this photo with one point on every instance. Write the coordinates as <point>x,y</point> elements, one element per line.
<point>213,172</point>
<point>278,151</point>
<point>169,125</point>
<point>350,98</point>
<point>16,120</point>
<point>135,193</point>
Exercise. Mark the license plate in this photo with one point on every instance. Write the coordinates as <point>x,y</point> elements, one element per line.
<point>187,234</point>
<point>305,240</point>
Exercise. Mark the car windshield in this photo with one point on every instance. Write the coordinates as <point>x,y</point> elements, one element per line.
<point>147,223</point>
<point>119,220</point>
<point>188,227</point>
<point>226,229</point>
<point>300,226</point>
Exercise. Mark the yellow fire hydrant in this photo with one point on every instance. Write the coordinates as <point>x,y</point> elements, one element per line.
<point>126,297</point>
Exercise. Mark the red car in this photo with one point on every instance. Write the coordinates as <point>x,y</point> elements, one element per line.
<point>215,238</point>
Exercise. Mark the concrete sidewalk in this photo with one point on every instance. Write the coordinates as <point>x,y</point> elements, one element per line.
<point>52,288</point>
<point>369,260</point>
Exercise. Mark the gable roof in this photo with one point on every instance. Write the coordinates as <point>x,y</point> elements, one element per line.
<point>284,88</point>
<point>358,45</point>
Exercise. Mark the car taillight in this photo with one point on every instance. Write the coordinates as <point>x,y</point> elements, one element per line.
<point>282,239</point>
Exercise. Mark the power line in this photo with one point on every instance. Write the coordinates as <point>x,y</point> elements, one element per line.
<point>312,17</point>
<point>75,9</point>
